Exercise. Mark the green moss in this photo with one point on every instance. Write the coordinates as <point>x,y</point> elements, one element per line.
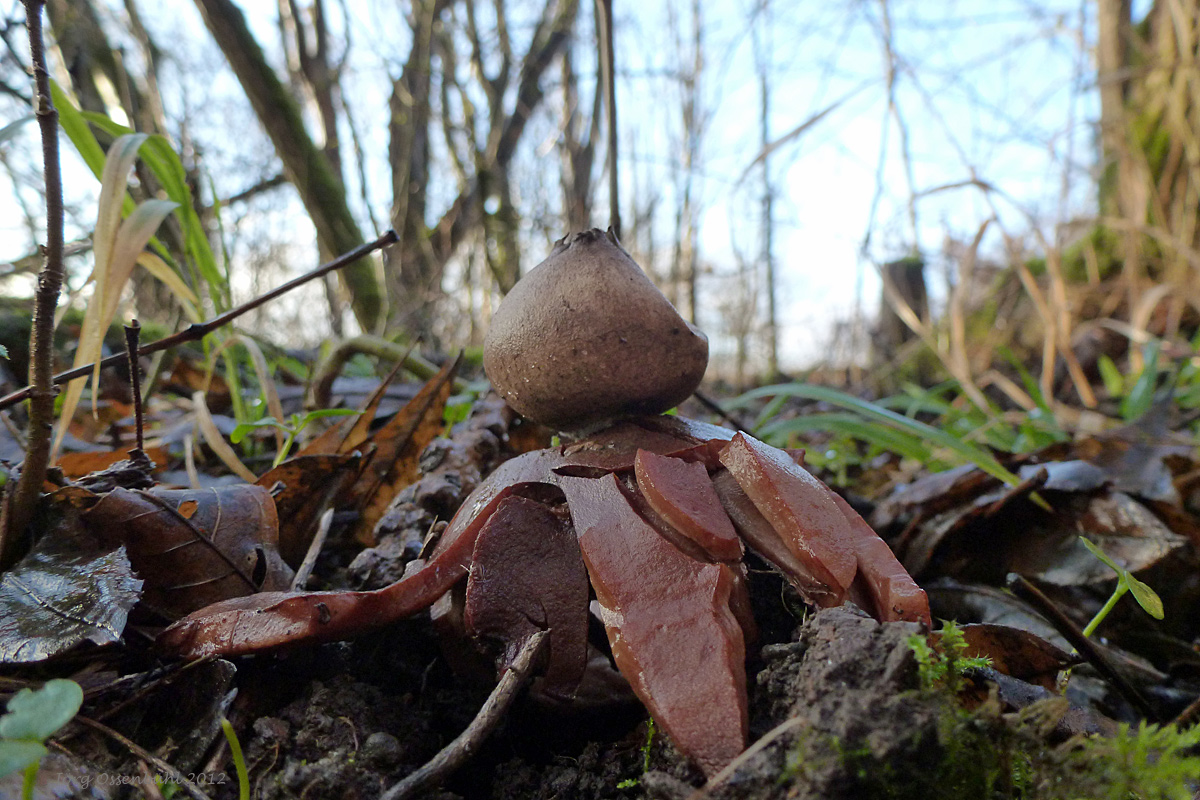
<point>988,753</point>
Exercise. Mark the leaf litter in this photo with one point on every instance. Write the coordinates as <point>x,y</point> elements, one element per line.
<point>396,485</point>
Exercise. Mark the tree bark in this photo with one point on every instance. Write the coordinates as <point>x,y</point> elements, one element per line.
<point>305,166</point>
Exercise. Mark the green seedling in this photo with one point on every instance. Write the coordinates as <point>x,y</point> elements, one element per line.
<point>1146,597</point>
<point>239,760</point>
<point>942,665</point>
<point>32,718</point>
<point>292,427</point>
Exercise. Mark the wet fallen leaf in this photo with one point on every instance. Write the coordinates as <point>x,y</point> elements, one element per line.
<point>54,599</point>
<point>1135,457</point>
<point>78,465</point>
<point>1017,653</point>
<point>1119,525</point>
<point>951,599</point>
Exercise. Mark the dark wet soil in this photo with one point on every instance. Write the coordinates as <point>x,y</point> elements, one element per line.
<point>352,719</point>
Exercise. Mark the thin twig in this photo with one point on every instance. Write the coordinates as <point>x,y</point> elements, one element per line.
<point>132,331</point>
<point>715,408</point>
<point>733,766</point>
<point>17,508</point>
<point>462,748</point>
<point>175,775</point>
<point>314,549</point>
<point>199,330</point>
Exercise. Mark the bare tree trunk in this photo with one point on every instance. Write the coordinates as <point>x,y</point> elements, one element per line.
<point>85,50</point>
<point>685,263</point>
<point>424,250</point>
<point>414,275</point>
<point>762,50</point>
<point>306,39</point>
<point>1112,62</point>
<point>578,150</point>
<point>306,167</point>
<point>907,277</point>
<point>1123,190</point>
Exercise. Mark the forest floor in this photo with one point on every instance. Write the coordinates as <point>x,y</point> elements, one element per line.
<point>841,706</point>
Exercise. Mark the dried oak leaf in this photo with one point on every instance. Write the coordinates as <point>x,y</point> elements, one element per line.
<point>55,599</point>
<point>194,548</point>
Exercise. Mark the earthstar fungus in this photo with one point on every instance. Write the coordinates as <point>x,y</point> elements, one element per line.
<point>649,514</point>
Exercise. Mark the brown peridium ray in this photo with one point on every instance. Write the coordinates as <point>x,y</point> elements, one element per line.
<point>559,321</point>
<point>583,339</point>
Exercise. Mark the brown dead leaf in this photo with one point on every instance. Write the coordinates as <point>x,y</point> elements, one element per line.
<point>1134,457</point>
<point>226,548</point>
<point>187,376</point>
<point>77,465</point>
<point>1017,653</point>
<point>398,445</point>
<point>350,434</point>
<point>1122,527</point>
<point>303,488</point>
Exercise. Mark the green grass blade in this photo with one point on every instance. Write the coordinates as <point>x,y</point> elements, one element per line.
<point>164,162</point>
<point>1141,396</point>
<point>871,411</point>
<point>848,424</point>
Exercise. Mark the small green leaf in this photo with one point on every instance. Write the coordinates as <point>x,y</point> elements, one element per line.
<point>17,754</point>
<point>36,716</point>
<point>1114,382</point>
<point>244,428</point>
<point>1147,598</point>
<point>324,412</point>
<point>1141,396</point>
<point>1103,556</point>
<point>3,351</point>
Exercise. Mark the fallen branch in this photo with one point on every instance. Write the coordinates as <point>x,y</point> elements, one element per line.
<point>1023,588</point>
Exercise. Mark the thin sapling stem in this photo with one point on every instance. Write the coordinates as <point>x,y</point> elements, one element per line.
<point>19,506</point>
